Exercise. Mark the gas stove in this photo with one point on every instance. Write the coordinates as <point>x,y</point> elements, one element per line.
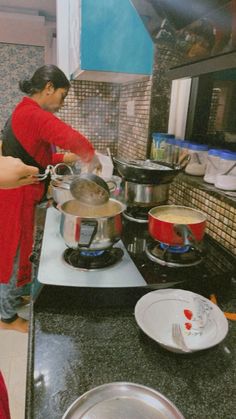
<point>174,256</point>
<point>138,214</point>
<point>91,260</point>
<point>163,267</point>
<point>57,260</point>
<point>136,260</point>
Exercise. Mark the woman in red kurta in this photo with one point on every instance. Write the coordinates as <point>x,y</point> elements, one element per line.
<point>4,403</point>
<point>33,128</point>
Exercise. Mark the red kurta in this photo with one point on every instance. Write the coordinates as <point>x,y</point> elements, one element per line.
<point>36,129</point>
<point>4,403</point>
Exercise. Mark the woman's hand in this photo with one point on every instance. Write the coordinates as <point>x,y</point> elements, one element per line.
<point>70,158</point>
<point>14,173</point>
<point>94,165</point>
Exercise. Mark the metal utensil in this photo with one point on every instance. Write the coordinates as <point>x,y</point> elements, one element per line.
<point>90,189</point>
<point>229,170</point>
<point>52,170</point>
<point>122,400</point>
<point>178,338</point>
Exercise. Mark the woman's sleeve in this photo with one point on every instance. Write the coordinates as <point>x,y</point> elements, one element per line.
<point>57,158</point>
<point>55,131</point>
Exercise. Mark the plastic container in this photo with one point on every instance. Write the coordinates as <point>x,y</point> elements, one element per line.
<point>183,151</point>
<point>198,159</point>
<point>212,167</point>
<point>169,150</point>
<point>226,176</point>
<point>176,151</point>
<point>158,145</point>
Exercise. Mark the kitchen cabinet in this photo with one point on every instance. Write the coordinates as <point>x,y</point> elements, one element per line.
<point>104,40</point>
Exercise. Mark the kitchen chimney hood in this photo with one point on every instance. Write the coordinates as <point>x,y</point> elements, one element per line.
<point>104,41</point>
<point>200,33</point>
<point>179,13</point>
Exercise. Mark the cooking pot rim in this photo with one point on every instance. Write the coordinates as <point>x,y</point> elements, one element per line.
<point>105,217</point>
<point>135,164</point>
<point>201,213</point>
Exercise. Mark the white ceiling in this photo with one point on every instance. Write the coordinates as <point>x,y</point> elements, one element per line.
<point>45,8</point>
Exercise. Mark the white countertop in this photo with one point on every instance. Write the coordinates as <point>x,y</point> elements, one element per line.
<point>53,270</point>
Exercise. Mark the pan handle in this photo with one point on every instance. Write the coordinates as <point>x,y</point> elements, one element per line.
<point>53,171</point>
<point>88,229</point>
<point>187,235</point>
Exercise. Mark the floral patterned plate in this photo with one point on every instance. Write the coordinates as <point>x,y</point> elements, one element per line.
<point>202,323</point>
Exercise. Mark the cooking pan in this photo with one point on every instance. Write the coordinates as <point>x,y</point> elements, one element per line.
<point>176,225</point>
<point>91,227</point>
<point>148,171</point>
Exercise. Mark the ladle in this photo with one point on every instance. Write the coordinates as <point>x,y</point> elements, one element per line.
<point>90,189</point>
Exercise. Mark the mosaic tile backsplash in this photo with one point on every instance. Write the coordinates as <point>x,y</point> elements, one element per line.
<point>134,118</point>
<point>17,62</point>
<point>93,109</point>
<point>221,216</point>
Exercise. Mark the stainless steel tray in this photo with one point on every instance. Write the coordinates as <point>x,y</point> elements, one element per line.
<point>122,400</point>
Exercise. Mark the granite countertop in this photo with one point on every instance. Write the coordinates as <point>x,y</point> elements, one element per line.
<point>81,338</point>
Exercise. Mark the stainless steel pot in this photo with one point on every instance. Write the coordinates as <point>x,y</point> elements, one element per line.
<point>91,227</point>
<point>60,191</point>
<point>145,195</point>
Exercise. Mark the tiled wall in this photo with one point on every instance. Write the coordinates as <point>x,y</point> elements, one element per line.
<point>134,118</point>
<point>16,62</point>
<point>101,111</point>
<point>221,217</point>
<point>161,88</point>
<point>93,109</point>
<point>123,116</point>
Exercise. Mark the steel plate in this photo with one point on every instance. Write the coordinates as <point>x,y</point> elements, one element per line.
<point>122,400</point>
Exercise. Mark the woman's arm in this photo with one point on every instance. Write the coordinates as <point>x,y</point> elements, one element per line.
<point>14,173</point>
<point>57,132</point>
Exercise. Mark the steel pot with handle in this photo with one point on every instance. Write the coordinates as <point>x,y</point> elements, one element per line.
<point>176,225</point>
<point>91,227</point>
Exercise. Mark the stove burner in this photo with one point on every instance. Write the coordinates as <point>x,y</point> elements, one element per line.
<point>174,249</point>
<point>91,253</point>
<point>91,260</point>
<point>138,214</point>
<point>168,256</point>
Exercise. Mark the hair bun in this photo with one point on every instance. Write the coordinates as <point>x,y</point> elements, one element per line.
<point>25,86</point>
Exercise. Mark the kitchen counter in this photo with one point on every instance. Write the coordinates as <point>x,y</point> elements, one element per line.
<point>81,338</point>
<point>228,197</point>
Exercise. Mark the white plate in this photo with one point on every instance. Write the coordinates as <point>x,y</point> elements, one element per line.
<point>122,400</point>
<point>202,323</point>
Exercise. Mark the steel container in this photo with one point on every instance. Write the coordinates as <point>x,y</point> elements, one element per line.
<point>91,227</point>
<point>145,195</point>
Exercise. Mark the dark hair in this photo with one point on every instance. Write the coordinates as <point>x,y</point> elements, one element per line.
<point>41,77</point>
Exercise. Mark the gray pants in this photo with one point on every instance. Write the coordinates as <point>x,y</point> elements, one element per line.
<point>10,296</point>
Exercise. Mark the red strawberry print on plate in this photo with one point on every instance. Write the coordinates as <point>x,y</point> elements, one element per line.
<point>188,314</point>
<point>188,326</point>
